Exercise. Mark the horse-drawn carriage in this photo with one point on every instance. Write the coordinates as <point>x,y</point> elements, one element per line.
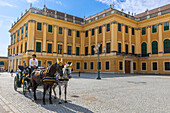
<point>22,78</point>
<point>57,74</point>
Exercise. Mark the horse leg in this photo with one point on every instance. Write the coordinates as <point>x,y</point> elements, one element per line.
<point>34,89</point>
<point>60,94</point>
<point>55,97</point>
<point>50,95</point>
<point>65,92</point>
<point>45,88</point>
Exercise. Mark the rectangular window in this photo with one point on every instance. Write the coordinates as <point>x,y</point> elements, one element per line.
<point>49,48</point>
<point>69,50</point>
<point>77,51</point>
<point>26,34</point>
<point>25,47</point>
<point>120,66</point>
<point>107,47</point>
<point>59,49</point>
<point>143,66</point>
<point>154,28</point>
<point>126,48</point>
<point>86,33</point>
<point>166,26</point>
<point>107,65</point>
<point>167,66</point>
<point>18,32</point>
<point>49,63</point>
<point>100,49</point>
<point>100,65</point>
<point>133,31</point>
<point>86,51</point>
<point>39,63</point>
<point>134,65</point>
<point>91,65</point>
<point>126,29</point>
<point>100,29</point>
<point>92,50</point>
<point>78,33</point>
<point>154,66</point>
<point>14,51</point>
<point>22,30</point>
<point>21,48</point>
<point>21,36</point>
<point>92,32</point>
<point>38,46</point>
<point>69,32</point>
<point>108,27</point>
<point>133,50</point>
<point>119,27</point>
<point>60,31</point>
<point>78,65</point>
<point>26,27</point>
<point>144,31</point>
<point>119,47</point>
<point>50,28</point>
<point>85,65</point>
<point>39,26</point>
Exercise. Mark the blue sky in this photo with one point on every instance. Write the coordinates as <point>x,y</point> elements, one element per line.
<point>11,9</point>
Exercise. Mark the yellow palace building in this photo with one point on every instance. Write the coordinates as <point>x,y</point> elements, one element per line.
<point>128,43</point>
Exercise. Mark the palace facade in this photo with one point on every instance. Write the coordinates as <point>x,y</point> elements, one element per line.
<point>128,43</point>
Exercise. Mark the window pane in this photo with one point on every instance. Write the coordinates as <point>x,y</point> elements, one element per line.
<point>25,47</point>
<point>60,30</point>
<point>134,66</point>
<point>119,47</point>
<point>39,25</point>
<point>92,32</point>
<point>78,33</point>
<point>78,65</point>
<point>86,33</point>
<point>166,26</point>
<point>119,27</point>
<point>91,65</point>
<point>143,66</point>
<point>38,46</point>
<point>85,65</point>
<point>108,48</point>
<point>107,65</point>
<point>120,66</point>
<point>77,50</point>
<point>126,29</point>
<point>154,47</point>
<point>133,50</point>
<point>69,32</point>
<point>167,46</point>
<point>154,28</point>
<point>92,50</point>
<point>50,28</point>
<point>49,48</point>
<point>59,49</point>
<point>86,51</point>
<point>154,65</point>
<point>167,66</point>
<point>143,30</point>
<point>69,50</point>
<point>126,48</point>
<point>133,31</point>
<point>108,27</point>
<point>100,29</point>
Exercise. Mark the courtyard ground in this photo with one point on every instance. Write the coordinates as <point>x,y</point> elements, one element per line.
<point>111,94</point>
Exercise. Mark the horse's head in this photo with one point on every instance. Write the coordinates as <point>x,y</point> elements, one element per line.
<point>60,66</point>
<point>67,70</point>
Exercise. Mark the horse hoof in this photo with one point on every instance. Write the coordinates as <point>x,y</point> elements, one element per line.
<point>51,102</point>
<point>59,103</point>
<point>55,97</point>
<point>65,101</point>
<point>44,103</point>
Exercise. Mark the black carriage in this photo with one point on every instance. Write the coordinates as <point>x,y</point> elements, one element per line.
<point>22,78</point>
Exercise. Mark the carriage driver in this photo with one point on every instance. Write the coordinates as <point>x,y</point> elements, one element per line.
<point>33,62</point>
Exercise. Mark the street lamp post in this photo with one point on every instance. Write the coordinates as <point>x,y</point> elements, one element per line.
<point>97,49</point>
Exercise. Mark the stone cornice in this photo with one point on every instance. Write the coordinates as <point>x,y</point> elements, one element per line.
<point>33,21</point>
<point>44,23</point>
<point>65,28</point>
<point>114,22</point>
<point>148,26</point>
<point>55,25</point>
<point>160,23</point>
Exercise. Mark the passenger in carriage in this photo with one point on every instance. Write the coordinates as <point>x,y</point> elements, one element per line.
<point>33,63</point>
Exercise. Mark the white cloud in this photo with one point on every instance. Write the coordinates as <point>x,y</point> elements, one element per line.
<point>32,1</point>
<point>59,2</point>
<point>136,6</point>
<point>3,3</point>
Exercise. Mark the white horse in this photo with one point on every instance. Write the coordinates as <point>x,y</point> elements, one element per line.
<point>63,81</point>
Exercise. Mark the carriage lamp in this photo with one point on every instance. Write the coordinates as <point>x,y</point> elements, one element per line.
<point>96,49</point>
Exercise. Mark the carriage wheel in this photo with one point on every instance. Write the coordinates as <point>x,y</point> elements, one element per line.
<point>24,87</point>
<point>15,83</point>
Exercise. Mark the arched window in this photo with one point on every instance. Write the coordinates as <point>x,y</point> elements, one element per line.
<point>144,49</point>
<point>1,63</point>
<point>154,47</point>
<point>167,46</point>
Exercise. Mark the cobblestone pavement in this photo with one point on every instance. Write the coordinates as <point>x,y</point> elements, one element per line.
<point>112,94</point>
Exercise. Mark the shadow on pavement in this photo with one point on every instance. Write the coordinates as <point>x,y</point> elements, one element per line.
<point>55,107</point>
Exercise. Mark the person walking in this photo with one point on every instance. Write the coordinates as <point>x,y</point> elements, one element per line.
<point>12,72</point>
